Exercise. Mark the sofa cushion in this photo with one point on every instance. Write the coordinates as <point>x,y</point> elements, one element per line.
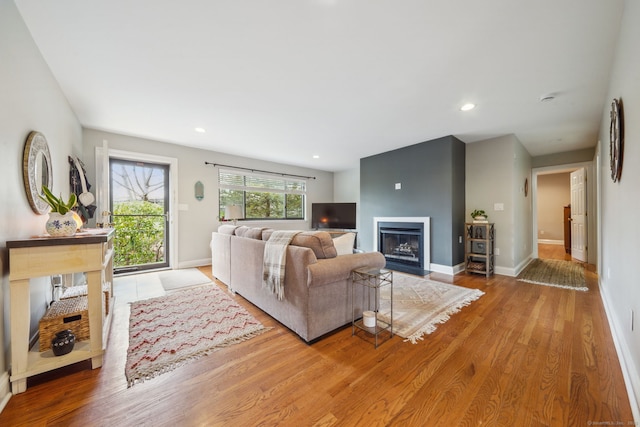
<point>320,242</point>
<point>249,232</point>
<point>344,243</point>
<point>227,229</point>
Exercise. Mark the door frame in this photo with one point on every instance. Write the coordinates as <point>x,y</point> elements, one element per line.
<point>172,162</point>
<point>592,250</point>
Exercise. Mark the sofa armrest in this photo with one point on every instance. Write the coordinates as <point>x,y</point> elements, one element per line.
<point>339,268</point>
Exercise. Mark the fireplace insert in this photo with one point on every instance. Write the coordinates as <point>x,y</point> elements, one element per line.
<point>401,243</point>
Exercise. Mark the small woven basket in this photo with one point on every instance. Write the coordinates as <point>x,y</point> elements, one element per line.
<point>70,314</point>
<point>81,290</point>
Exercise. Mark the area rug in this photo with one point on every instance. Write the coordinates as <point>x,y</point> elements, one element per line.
<point>178,279</point>
<point>419,305</point>
<point>168,331</point>
<point>557,273</point>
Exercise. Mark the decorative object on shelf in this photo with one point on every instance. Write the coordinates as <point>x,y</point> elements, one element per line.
<point>199,190</point>
<point>479,215</point>
<point>233,213</point>
<point>61,221</point>
<point>78,220</point>
<point>61,225</point>
<point>616,139</point>
<point>369,318</point>
<point>70,313</point>
<point>36,170</point>
<point>526,187</point>
<point>63,342</point>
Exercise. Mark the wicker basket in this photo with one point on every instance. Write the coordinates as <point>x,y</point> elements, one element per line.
<point>81,290</point>
<point>69,313</point>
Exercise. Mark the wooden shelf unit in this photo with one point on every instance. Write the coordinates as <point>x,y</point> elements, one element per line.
<point>90,252</point>
<point>479,257</point>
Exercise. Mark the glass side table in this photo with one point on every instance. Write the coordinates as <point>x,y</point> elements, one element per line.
<point>372,279</point>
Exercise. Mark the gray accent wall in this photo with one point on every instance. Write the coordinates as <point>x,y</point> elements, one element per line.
<point>432,179</point>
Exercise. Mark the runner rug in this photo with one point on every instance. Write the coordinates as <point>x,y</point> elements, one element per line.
<point>169,331</point>
<point>419,305</point>
<point>556,273</point>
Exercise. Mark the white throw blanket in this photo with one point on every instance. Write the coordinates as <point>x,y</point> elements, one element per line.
<point>275,254</point>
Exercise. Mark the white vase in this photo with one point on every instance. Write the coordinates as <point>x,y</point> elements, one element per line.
<point>61,225</point>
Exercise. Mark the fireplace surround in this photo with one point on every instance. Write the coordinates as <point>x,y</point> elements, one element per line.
<point>404,241</point>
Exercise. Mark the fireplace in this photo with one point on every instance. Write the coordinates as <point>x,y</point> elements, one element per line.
<point>403,245</point>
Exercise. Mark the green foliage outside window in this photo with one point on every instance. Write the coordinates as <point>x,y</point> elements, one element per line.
<point>140,239</point>
<point>262,197</point>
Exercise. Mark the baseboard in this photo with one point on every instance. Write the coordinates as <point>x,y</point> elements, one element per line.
<point>551,242</point>
<point>522,265</point>
<point>195,263</point>
<point>5,390</point>
<point>446,269</point>
<point>630,374</point>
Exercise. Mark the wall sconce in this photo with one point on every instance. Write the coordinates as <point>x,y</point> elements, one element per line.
<point>233,212</point>
<point>199,190</point>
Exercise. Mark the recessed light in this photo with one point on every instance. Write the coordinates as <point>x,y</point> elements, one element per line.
<point>200,130</point>
<point>467,107</point>
<point>315,156</point>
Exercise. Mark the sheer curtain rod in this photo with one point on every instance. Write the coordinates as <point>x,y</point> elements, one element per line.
<point>258,170</point>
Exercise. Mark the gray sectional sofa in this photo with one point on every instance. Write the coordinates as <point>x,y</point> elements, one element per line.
<point>317,285</point>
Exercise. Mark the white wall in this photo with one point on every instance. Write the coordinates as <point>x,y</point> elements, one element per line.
<point>30,99</point>
<point>495,173</point>
<point>197,222</point>
<point>620,229</point>
<point>346,188</point>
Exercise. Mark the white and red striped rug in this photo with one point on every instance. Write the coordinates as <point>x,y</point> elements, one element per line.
<point>168,331</point>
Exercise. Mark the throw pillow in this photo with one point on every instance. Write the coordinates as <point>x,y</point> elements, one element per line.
<point>344,243</point>
<point>227,229</point>
<point>319,242</point>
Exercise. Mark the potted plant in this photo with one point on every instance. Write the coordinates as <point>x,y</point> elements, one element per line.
<point>479,215</point>
<point>61,221</point>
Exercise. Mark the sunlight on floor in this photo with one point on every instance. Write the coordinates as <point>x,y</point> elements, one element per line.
<point>137,287</point>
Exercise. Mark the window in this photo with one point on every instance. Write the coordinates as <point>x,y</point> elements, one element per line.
<point>262,197</point>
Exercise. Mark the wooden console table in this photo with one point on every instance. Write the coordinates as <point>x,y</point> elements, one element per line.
<point>90,252</point>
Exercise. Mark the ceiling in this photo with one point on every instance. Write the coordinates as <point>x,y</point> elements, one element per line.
<point>284,80</point>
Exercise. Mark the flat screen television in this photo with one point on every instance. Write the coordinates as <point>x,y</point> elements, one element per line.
<point>333,215</point>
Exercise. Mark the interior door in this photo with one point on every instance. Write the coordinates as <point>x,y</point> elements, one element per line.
<point>579,215</point>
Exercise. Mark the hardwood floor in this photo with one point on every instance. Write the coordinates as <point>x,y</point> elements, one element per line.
<point>521,355</point>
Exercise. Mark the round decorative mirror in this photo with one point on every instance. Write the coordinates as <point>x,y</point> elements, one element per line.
<point>36,170</point>
<point>616,135</point>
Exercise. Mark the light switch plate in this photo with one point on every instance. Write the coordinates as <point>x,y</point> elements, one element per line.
<point>398,186</point>
<point>498,206</point>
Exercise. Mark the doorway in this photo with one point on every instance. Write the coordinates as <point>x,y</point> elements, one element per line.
<point>139,205</point>
<point>104,199</point>
<point>561,201</point>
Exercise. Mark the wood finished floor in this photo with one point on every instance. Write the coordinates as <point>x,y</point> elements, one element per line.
<point>522,355</point>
